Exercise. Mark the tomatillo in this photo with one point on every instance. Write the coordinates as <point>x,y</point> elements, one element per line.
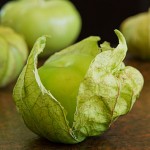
<point>13,54</point>
<point>136,30</point>
<point>69,72</point>
<point>78,92</point>
<point>58,18</point>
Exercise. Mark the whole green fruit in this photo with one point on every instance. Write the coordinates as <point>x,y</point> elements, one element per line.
<point>57,18</point>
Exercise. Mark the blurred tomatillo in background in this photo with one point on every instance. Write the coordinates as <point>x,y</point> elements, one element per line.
<point>33,18</point>
<point>13,54</point>
<point>136,30</point>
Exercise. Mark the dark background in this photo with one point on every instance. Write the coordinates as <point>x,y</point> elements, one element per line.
<point>101,17</point>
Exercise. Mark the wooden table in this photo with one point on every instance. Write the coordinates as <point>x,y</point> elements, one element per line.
<point>130,132</point>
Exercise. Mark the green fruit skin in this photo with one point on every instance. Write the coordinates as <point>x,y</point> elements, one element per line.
<point>136,30</point>
<point>57,18</point>
<point>63,77</point>
<point>13,55</point>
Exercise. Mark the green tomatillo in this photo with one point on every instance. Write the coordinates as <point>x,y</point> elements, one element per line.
<point>13,54</point>
<point>136,30</point>
<point>58,18</point>
<point>69,71</point>
<point>78,92</point>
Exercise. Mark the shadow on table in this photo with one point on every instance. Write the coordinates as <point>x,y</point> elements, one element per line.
<point>92,143</point>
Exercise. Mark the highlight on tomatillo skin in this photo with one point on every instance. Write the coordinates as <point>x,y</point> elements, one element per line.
<point>78,92</point>
<point>136,30</point>
<point>13,54</point>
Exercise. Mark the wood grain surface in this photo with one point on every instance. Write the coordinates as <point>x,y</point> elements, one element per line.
<point>129,132</point>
